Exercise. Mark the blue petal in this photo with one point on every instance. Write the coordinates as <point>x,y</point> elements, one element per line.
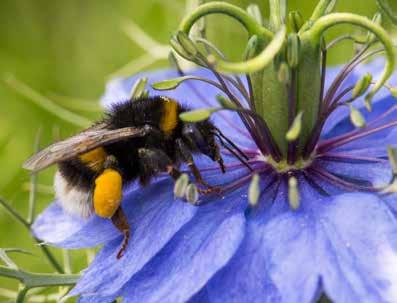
<point>193,256</point>
<point>328,244</point>
<point>155,219</point>
<point>94,298</point>
<point>58,228</point>
<point>377,174</point>
<point>275,262</point>
<point>359,244</point>
<point>200,297</point>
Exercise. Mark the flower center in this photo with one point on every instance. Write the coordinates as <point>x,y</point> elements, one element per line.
<point>278,90</point>
<point>283,166</point>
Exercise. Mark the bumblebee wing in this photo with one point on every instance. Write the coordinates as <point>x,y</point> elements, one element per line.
<point>81,143</point>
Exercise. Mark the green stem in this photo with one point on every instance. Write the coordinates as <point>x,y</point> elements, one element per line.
<point>259,62</point>
<point>32,280</point>
<point>14,213</point>
<point>21,295</point>
<point>324,23</point>
<point>50,257</point>
<point>253,27</point>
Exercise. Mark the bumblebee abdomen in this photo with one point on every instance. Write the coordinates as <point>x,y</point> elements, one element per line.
<point>74,199</point>
<point>169,119</point>
<point>74,181</point>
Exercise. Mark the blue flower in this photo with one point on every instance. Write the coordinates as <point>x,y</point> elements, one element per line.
<point>341,241</point>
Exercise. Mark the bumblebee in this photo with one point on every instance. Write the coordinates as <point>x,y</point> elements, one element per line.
<point>136,140</point>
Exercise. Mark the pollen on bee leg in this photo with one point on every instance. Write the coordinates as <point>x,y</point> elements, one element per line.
<point>107,193</point>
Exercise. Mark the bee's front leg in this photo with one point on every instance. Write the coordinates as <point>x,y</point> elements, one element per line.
<point>188,158</point>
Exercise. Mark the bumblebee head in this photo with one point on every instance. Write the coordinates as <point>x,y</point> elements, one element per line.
<point>201,137</point>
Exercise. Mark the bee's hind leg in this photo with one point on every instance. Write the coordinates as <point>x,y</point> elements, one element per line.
<point>120,221</point>
<point>107,197</point>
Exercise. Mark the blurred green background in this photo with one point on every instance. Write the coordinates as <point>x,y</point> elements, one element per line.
<point>66,50</point>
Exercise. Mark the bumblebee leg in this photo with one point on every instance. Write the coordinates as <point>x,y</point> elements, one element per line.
<point>173,172</point>
<point>120,221</point>
<point>108,190</point>
<point>153,161</point>
<point>188,158</point>
<point>107,198</point>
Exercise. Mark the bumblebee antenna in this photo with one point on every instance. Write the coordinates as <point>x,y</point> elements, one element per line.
<point>232,144</point>
<point>243,161</point>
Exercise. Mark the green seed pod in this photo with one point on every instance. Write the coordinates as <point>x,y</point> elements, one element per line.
<point>293,49</point>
